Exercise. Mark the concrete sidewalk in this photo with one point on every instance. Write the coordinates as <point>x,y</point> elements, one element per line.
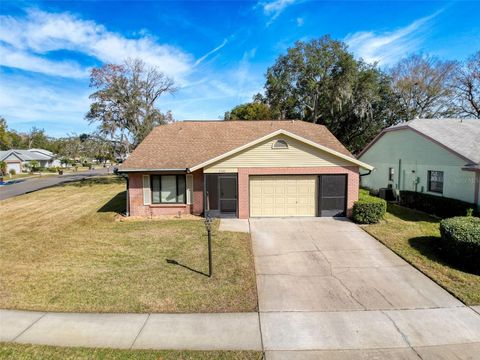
<point>226,331</point>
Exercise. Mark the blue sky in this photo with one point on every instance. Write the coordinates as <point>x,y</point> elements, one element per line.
<point>217,52</point>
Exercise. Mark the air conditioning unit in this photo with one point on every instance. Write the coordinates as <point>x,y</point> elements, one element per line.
<point>387,194</point>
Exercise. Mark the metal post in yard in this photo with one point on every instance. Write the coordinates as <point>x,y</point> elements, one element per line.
<point>209,253</point>
<point>208,225</point>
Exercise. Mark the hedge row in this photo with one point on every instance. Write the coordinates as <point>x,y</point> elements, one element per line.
<point>369,209</point>
<point>460,241</point>
<point>436,205</point>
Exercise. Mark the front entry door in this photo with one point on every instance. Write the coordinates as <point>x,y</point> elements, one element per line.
<point>228,193</point>
<point>332,195</point>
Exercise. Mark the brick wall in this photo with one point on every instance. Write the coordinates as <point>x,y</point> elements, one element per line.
<point>137,208</point>
<point>197,208</point>
<point>244,173</point>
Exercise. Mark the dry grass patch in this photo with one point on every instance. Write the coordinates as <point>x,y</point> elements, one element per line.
<point>31,352</point>
<point>414,236</point>
<point>62,250</point>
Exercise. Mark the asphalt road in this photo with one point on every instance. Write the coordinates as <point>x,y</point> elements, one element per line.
<point>29,185</point>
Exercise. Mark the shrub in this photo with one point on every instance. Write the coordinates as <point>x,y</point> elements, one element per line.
<point>436,205</point>
<point>34,165</point>
<point>3,168</point>
<point>12,172</point>
<point>369,209</point>
<point>460,241</point>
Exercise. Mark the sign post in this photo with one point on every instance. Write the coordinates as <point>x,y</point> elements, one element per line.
<point>208,225</point>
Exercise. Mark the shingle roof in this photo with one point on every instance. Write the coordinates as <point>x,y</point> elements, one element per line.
<point>185,144</point>
<point>26,155</point>
<point>459,135</point>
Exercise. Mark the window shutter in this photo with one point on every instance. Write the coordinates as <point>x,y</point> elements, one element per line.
<point>147,196</point>
<point>189,180</point>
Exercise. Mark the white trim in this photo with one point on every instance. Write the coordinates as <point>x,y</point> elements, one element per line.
<point>14,153</point>
<point>189,187</point>
<point>287,133</point>
<point>147,194</point>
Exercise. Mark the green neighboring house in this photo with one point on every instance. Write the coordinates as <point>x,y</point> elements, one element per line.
<point>434,156</point>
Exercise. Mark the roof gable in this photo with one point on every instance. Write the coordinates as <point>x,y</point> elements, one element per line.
<point>274,135</point>
<point>27,155</point>
<point>460,136</point>
<point>188,144</point>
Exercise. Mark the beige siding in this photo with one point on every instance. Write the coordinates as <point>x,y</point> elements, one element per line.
<point>293,195</point>
<point>298,154</point>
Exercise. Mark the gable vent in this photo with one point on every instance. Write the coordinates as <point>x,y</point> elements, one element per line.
<point>280,144</point>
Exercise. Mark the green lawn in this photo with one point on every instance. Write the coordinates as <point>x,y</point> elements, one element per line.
<point>414,236</point>
<point>37,352</point>
<point>62,250</point>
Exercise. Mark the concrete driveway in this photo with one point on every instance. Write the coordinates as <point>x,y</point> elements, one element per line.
<point>329,290</point>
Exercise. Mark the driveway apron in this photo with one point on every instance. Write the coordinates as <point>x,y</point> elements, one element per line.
<point>324,286</point>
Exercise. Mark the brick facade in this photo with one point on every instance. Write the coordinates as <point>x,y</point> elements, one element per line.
<point>137,208</point>
<point>197,208</point>
<point>353,179</point>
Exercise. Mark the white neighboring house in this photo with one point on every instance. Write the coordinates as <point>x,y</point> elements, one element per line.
<point>17,159</point>
<point>435,156</point>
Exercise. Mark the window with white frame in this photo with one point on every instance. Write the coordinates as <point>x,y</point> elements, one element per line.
<point>391,173</point>
<point>435,181</point>
<point>168,189</point>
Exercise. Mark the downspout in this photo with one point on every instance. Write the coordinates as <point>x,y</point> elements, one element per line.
<point>477,191</point>
<point>367,173</point>
<point>399,174</point>
<point>127,209</point>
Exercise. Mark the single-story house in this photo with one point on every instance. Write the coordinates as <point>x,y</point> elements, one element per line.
<point>241,169</point>
<point>434,156</point>
<point>17,159</point>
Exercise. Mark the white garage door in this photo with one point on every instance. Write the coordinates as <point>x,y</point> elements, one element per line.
<point>283,195</point>
<point>15,166</point>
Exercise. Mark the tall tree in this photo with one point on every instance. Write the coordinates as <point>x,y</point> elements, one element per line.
<point>321,82</point>
<point>125,101</point>
<point>423,86</point>
<point>255,110</point>
<point>466,87</point>
<point>5,139</point>
<point>10,139</point>
<point>37,138</point>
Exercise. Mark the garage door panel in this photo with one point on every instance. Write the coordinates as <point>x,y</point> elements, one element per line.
<point>283,195</point>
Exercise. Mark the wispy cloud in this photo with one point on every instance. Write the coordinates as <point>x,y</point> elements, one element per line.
<point>41,32</point>
<point>211,52</point>
<point>24,60</point>
<point>387,47</point>
<point>57,104</point>
<point>300,21</point>
<point>274,8</point>
<point>49,47</point>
